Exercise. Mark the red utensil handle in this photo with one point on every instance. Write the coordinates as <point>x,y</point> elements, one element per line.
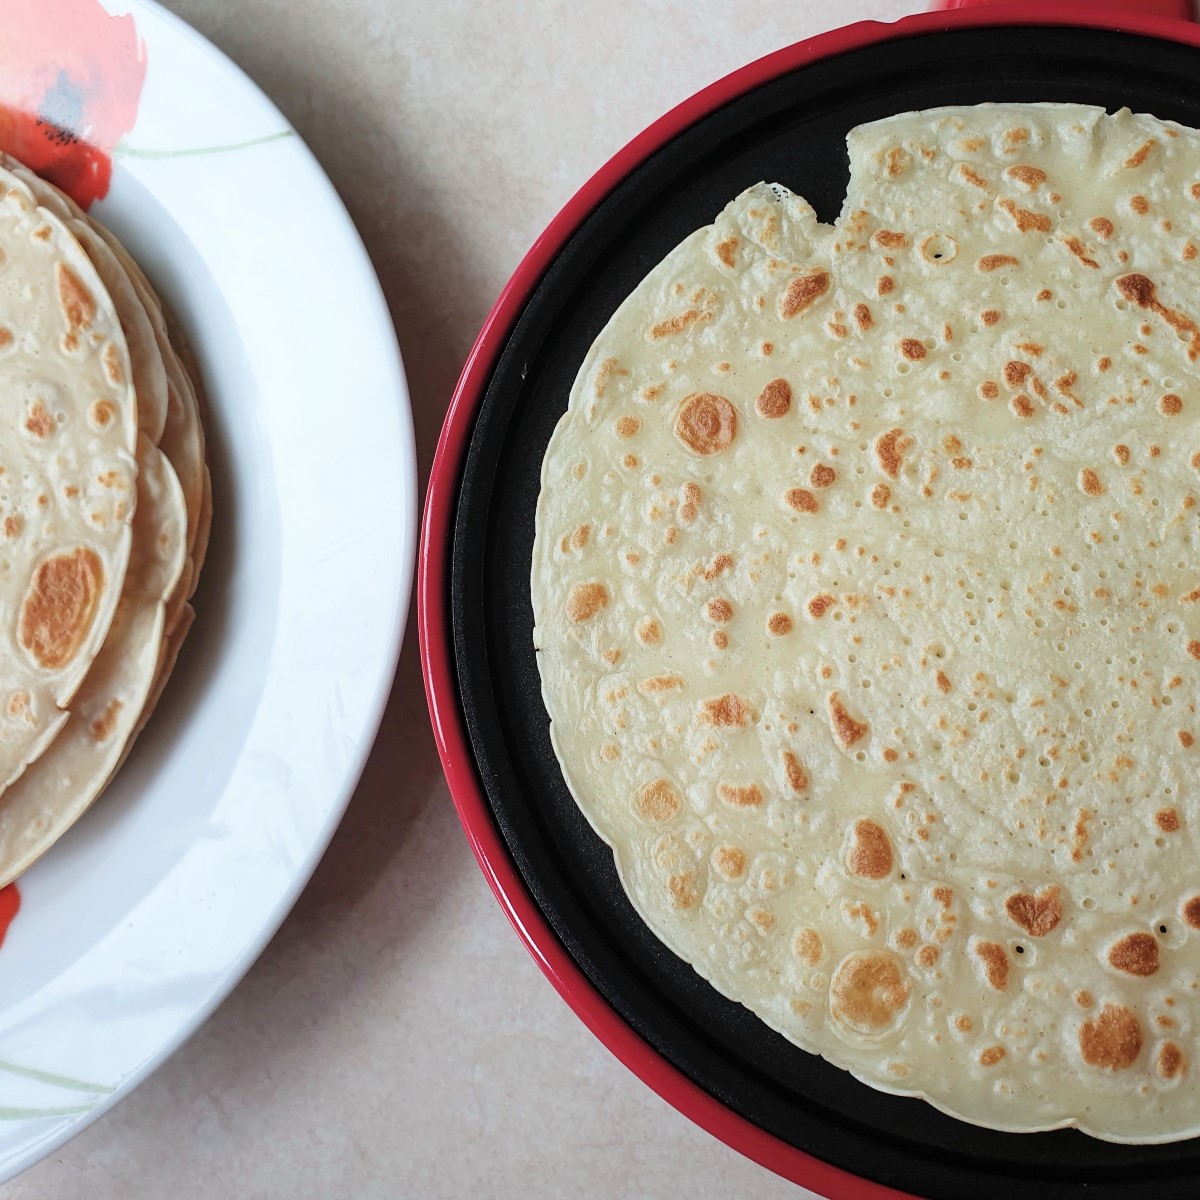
<point>1183,10</point>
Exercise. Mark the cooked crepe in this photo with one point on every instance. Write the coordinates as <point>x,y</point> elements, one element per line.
<point>67,490</point>
<point>59,787</point>
<point>169,533</point>
<point>867,611</point>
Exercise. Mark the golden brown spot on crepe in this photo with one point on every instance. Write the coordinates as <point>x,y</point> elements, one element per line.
<point>101,413</point>
<point>658,801</point>
<point>868,991</point>
<point>607,369</point>
<point>727,250</point>
<point>78,306</point>
<point>912,349</point>
<point>1022,406</point>
<point>586,600</point>
<point>818,606</point>
<point>12,526</point>
<point>1171,1061</point>
<point>801,500</point>
<point>928,955</point>
<point>1089,483</point>
<point>898,160</point>
<point>677,324</point>
<point>627,426</point>
<point>1031,177</point>
<point>1135,954</point>
<point>797,778</point>
<point>906,938</point>
<point>649,632</point>
<point>862,317</point>
<point>1112,1040</point>
<point>579,538</point>
<point>802,292</point>
<point>880,495</point>
<point>39,422</point>
<point>885,284</point>
<point>660,683</point>
<point>719,610</point>
<point>991,1056</point>
<point>103,726</point>
<point>870,853</point>
<point>890,755</point>
<point>808,947</point>
<point>1037,915</point>
<point>989,389</point>
<point>727,711</point>
<point>720,639</point>
<point>1193,648</point>
<point>1121,454</point>
<point>729,861</point>
<point>1102,227</point>
<point>1170,405</point>
<point>762,918</point>
<point>995,963</point>
<point>889,450</point>
<point>706,423</point>
<point>1140,205</point>
<point>747,795</point>
<point>943,682</point>
<point>993,262</point>
<point>963,1023</point>
<point>1084,998</point>
<point>1189,252</point>
<point>972,176</point>
<point>1077,248</point>
<point>1140,155</point>
<point>890,240</point>
<point>822,476</point>
<point>683,889</point>
<point>718,567</point>
<point>1167,819</point>
<point>1024,219</point>
<point>779,624</point>
<point>1015,373</point>
<point>1140,290</point>
<point>60,605</point>
<point>112,364</point>
<point>775,399</point>
<point>845,727</point>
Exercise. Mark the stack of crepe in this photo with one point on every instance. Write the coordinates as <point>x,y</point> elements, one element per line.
<point>105,506</point>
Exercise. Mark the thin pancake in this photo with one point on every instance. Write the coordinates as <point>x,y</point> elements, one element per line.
<point>868,613</point>
<point>59,787</point>
<point>68,490</point>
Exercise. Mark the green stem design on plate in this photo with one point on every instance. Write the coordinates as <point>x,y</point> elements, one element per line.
<point>62,1081</point>
<point>124,151</point>
<point>25,1114</point>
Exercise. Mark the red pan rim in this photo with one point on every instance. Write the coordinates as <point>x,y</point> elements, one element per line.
<point>436,536</point>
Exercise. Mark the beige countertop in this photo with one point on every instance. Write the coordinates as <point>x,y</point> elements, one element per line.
<point>395,1039</point>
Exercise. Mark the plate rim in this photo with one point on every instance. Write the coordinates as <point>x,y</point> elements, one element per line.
<point>432,592</point>
<point>372,296</point>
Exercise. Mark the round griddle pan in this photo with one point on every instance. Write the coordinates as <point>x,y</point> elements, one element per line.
<point>783,118</point>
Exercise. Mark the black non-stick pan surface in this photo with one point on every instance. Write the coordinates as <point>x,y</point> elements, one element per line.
<point>791,130</point>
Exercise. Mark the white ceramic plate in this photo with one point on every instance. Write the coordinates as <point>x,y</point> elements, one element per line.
<point>137,924</point>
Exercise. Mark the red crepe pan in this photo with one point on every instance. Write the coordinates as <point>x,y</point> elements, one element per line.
<point>785,118</point>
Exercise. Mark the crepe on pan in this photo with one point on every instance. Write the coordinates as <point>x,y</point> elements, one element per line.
<point>867,609</point>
